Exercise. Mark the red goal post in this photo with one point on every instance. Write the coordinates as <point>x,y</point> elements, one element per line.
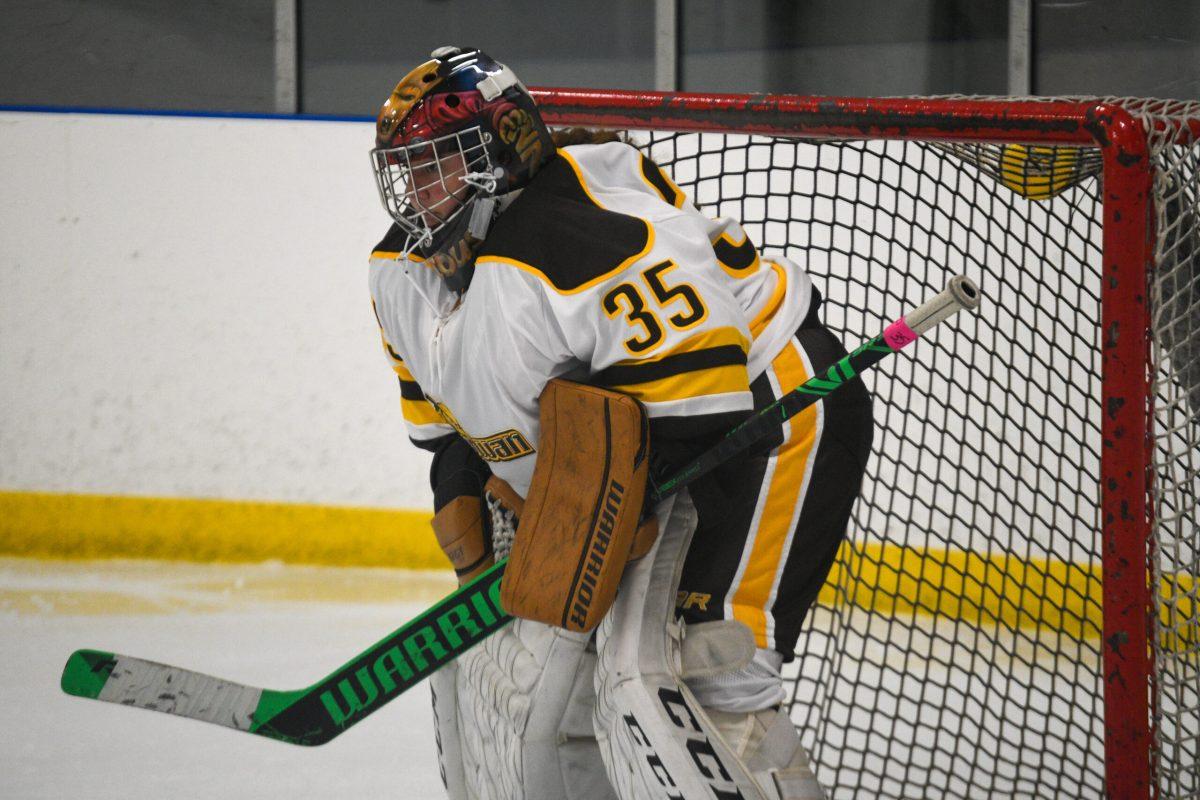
<point>1142,756</point>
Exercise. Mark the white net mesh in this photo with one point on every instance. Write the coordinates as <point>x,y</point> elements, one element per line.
<point>957,646</point>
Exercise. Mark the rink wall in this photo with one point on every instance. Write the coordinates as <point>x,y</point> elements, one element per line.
<point>190,369</point>
<point>185,313</point>
<point>185,317</point>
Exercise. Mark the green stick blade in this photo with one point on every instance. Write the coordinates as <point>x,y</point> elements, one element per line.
<point>390,667</point>
<point>86,672</point>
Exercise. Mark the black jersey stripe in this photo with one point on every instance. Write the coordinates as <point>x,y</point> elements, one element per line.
<point>395,356</point>
<point>736,257</point>
<point>411,390</point>
<point>709,428</point>
<point>660,183</point>
<point>678,364</point>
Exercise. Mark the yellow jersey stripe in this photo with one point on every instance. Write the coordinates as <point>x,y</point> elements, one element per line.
<point>396,256</point>
<point>658,180</point>
<point>779,510</point>
<point>740,273</point>
<point>767,312</point>
<point>579,176</point>
<point>420,412</point>
<point>401,370</point>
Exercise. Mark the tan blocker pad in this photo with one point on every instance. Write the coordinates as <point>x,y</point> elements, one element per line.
<point>580,517</point>
<point>461,535</point>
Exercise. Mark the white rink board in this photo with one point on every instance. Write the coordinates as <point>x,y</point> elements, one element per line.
<point>185,312</point>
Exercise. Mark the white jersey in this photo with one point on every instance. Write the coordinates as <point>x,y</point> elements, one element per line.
<point>601,271</point>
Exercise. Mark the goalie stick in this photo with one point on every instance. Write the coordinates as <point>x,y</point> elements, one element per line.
<point>446,630</point>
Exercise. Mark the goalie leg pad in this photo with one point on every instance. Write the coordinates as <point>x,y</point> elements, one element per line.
<point>513,721</point>
<point>656,740</point>
<point>767,743</point>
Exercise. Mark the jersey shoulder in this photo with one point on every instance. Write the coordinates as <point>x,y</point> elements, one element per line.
<point>617,166</point>
<point>561,230</point>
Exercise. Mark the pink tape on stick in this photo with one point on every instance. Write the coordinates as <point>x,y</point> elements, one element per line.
<point>899,335</point>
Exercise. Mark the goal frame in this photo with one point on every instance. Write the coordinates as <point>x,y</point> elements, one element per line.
<point>1126,365</point>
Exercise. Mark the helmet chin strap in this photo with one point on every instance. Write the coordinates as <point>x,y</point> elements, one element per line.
<point>485,210</point>
<point>482,213</point>
<point>484,181</point>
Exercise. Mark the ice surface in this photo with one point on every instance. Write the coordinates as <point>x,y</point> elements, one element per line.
<point>284,627</point>
<point>267,625</point>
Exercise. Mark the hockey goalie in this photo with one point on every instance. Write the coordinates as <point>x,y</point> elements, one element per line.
<point>568,329</point>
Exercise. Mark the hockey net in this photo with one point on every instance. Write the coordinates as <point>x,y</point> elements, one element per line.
<point>959,646</point>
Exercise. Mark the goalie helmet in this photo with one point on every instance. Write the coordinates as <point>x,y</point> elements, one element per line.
<point>457,134</point>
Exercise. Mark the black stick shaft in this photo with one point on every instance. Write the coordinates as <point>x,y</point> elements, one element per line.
<point>771,417</point>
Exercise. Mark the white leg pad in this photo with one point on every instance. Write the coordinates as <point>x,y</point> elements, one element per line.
<point>446,731</point>
<point>656,740</point>
<point>513,718</point>
<point>767,743</point>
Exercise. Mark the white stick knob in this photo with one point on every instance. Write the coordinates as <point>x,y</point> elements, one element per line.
<point>960,293</point>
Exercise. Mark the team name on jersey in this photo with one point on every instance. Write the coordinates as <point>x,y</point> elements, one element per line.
<point>503,446</point>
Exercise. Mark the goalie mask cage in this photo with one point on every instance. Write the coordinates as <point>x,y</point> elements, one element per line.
<point>1015,610</point>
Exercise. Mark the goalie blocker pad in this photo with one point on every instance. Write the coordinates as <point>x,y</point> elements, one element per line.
<point>580,518</point>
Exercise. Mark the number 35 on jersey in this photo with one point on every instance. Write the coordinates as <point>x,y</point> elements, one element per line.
<point>678,305</point>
